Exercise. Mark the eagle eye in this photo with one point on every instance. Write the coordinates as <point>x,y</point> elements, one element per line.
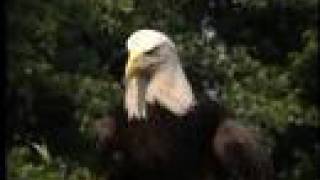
<point>152,51</point>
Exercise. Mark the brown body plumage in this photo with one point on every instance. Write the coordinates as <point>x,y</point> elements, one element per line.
<point>203,144</point>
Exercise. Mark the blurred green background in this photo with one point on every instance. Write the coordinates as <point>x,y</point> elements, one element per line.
<point>65,62</point>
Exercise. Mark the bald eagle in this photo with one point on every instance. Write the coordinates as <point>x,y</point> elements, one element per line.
<point>165,132</point>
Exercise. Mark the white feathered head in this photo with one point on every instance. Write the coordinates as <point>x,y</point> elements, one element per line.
<point>154,73</point>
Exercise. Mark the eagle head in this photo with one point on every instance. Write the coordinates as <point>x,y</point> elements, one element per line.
<point>153,73</point>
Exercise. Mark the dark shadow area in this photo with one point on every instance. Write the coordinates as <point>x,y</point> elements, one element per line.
<point>291,147</point>
<point>45,115</point>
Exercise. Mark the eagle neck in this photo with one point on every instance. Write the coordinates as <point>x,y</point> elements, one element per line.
<point>171,89</point>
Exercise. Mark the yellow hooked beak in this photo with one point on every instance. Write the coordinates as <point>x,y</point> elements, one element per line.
<point>133,64</point>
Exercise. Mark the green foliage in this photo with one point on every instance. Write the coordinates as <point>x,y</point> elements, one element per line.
<point>261,55</point>
<point>25,164</point>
